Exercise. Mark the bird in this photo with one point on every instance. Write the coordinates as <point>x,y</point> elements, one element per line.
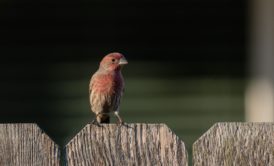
<point>106,88</point>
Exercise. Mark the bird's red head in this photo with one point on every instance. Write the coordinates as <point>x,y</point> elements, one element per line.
<point>113,61</point>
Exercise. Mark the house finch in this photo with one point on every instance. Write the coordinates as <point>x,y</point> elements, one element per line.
<point>106,88</point>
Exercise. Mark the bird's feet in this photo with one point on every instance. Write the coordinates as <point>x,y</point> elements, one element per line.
<point>120,123</point>
<point>95,122</point>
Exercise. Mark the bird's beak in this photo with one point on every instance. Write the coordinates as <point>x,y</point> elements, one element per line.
<point>123,61</point>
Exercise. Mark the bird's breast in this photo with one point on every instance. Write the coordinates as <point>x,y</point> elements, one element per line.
<point>108,84</point>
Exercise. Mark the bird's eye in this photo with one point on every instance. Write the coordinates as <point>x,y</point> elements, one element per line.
<point>113,60</point>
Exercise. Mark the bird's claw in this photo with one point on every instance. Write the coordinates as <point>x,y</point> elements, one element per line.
<point>120,123</point>
<point>95,122</point>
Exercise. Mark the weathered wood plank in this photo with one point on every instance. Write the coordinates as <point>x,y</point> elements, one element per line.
<point>243,144</point>
<point>26,145</point>
<point>137,144</point>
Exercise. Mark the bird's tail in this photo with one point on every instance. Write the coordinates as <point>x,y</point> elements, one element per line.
<point>103,118</point>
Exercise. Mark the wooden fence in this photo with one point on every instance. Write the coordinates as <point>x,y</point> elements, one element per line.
<point>225,144</point>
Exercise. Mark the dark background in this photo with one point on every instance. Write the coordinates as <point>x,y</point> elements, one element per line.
<point>187,61</point>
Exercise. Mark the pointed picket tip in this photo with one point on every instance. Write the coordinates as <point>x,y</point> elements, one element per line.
<point>133,144</point>
<point>235,143</point>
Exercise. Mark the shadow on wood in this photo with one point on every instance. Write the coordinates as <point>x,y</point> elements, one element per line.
<point>235,144</point>
<point>136,144</point>
<point>26,144</point>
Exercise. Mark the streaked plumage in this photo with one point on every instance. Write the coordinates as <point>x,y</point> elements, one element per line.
<point>106,87</point>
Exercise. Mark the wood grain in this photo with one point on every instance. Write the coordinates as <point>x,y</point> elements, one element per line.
<point>26,145</point>
<point>239,144</point>
<point>136,144</point>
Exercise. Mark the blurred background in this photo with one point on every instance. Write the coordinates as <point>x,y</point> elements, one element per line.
<point>192,63</point>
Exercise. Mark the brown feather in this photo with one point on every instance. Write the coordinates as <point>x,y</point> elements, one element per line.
<point>105,89</point>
